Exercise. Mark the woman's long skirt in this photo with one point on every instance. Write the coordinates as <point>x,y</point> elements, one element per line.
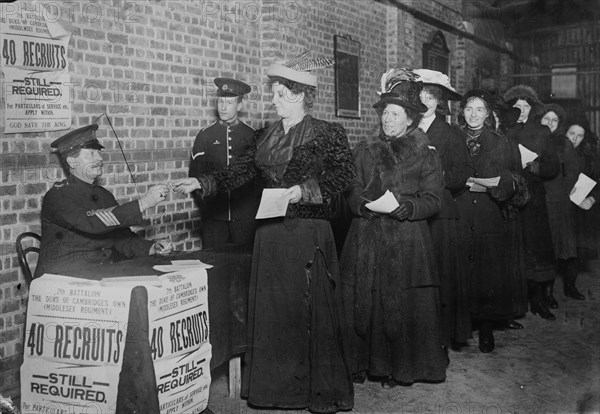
<point>295,356</point>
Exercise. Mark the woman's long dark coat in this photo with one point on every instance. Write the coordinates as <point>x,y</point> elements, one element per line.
<point>388,269</point>
<point>539,252</point>
<point>456,320</point>
<point>489,237</point>
<point>561,210</point>
<point>295,356</point>
<point>588,221</point>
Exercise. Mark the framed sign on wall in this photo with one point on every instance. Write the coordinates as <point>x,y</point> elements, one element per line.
<point>347,63</point>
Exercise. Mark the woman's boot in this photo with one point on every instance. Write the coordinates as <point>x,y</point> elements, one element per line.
<point>549,295</point>
<point>537,305</point>
<point>569,278</point>
<point>486,337</point>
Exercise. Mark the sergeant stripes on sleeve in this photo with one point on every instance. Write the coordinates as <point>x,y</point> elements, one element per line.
<point>106,216</point>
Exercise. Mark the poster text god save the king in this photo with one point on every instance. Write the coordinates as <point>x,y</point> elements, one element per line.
<point>36,83</point>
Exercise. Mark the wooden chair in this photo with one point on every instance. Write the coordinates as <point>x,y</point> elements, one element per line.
<point>27,243</point>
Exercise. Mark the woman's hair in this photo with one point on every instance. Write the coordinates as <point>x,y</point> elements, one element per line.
<point>489,121</point>
<point>310,92</point>
<point>439,95</point>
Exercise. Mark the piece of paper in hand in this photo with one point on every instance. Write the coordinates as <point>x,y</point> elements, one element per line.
<point>582,188</point>
<point>480,185</point>
<point>384,204</point>
<point>273,203</point>
<point>526,155</point>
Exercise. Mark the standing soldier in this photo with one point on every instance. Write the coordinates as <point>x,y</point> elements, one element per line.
<point>227,217</point>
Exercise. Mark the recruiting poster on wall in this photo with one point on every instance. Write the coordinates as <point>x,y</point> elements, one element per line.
<point>179,340</point>
<point>36,88</point>
<point>74,345</point>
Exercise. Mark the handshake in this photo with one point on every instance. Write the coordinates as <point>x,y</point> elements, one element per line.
<point>158,193</point>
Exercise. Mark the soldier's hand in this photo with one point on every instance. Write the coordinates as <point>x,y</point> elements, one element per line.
<point>161,247</point>
<point>153,196</point>
<point>186,186</point>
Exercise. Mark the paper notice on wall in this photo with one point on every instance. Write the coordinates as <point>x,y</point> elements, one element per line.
<point>180,341</point>
<point>36,88</point>
<point>36,101</point>
<point>74,345</point>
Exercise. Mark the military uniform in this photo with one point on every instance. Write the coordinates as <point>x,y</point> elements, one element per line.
<point>228,217</point>
<point>83,225</point>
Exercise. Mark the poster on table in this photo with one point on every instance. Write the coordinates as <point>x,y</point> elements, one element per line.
<point>36,81</point>
<point>74,345</point>
<point>179,340</point>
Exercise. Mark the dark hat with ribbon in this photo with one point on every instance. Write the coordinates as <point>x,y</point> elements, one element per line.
<point>231,87</point>
<point>399,87</point>
<point>84,137</point>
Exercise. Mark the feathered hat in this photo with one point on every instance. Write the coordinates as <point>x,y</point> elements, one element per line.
<point>524,92</point>
<point>433,77</point>
<point>299,68</point>
<point>399,86</point>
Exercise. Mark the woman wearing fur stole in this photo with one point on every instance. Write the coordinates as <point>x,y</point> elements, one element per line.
<point>388,269</point>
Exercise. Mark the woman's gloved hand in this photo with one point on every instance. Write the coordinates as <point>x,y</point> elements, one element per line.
<point>366,213</point>
<point>403,211</point>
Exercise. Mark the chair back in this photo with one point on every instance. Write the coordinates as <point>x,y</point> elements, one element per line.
<point>27,243</point>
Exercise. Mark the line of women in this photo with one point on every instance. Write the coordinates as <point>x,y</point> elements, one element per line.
<point>410,283</point>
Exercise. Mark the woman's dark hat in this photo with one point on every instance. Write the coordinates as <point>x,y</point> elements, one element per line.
<point>399,87</point>
<point>524,92</point>
<point>84,137</point>
<point>558,110</point>
<point>231,87</point>
<point>433,77</point>
<point>478,93</point>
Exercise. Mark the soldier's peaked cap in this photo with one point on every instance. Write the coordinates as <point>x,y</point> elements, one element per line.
<point>231,87</point>
<point>84,137</point>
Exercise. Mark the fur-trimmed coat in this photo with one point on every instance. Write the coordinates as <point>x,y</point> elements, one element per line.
<point>396,254</point>
<point>322,168</point>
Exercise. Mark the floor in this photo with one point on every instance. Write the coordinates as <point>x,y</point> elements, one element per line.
<point>549,367</point>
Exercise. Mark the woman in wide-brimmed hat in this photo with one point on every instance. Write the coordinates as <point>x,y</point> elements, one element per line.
<point>295,355</point>
<point>456,320</point>
<point>528,132</point>
<point>389,277</point>
<point>490,241</point>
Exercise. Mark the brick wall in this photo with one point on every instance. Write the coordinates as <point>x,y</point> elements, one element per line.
<point>149,66</point>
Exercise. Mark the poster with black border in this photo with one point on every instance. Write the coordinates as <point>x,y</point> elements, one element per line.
<point>74,345</point>
<point>36,83</point>
<point>179,340</point>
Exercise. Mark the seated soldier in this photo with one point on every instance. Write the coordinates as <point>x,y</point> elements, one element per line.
<point>82,223</point>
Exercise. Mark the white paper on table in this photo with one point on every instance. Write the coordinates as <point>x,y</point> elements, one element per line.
<point>151,280</point>
<point>526,155</point>
<point>480,185</point>
<point>273,203</point>
<point>179,265</point>
<point>384,204</point>
<point>582,188</point>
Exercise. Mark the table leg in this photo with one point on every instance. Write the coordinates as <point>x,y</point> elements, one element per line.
<point>235,377</point>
